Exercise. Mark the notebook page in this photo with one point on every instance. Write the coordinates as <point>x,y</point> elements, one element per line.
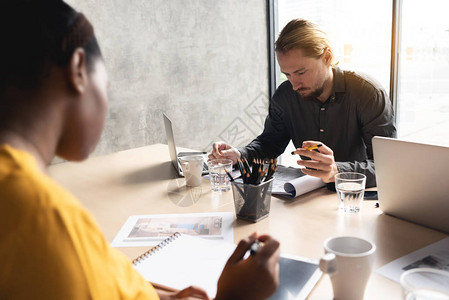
<point>185,261</point>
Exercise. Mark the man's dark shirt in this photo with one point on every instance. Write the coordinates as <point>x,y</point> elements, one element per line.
<point>357,110</point>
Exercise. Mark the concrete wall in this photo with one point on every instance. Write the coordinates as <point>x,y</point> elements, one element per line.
<point>203,62</point>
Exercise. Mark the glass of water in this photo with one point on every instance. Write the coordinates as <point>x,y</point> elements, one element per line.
<point>425,284</point>
<point>350,188</point>
<point>219,180</point>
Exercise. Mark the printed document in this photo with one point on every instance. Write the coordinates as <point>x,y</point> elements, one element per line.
<point>434,256</point>
<point>150,230</point>
<point>292,182</point>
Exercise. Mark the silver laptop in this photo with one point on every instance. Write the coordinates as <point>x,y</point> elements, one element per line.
<point>174,155</point>
<point>412,181</point>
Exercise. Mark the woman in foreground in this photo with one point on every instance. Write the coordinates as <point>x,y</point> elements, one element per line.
<point>53,101</point>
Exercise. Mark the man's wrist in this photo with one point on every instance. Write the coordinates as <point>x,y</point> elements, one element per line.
<point>334,172</point>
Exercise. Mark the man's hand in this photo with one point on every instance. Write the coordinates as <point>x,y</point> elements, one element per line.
<point>223,150</point>
<point>322,161</point>
<point>256,277</point>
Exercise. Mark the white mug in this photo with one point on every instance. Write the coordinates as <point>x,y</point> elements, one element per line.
<point>348,261</point>
<point>192,168</point>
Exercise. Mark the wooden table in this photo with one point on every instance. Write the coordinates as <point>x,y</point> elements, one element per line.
<point>143,181</point>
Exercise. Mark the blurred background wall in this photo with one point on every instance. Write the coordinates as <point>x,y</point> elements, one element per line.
<point>202,62</point>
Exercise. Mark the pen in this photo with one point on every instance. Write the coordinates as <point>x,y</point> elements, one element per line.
<point>309,148</point>
<point>254,248</point>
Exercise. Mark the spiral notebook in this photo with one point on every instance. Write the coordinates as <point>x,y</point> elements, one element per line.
<point>182,260</point>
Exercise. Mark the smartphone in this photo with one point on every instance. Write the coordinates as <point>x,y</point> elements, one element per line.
<point>370,195</point>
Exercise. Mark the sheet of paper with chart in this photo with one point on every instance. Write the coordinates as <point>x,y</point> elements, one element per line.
<point>292,182</point>
<point>149,230</point>
<point>434,256</point>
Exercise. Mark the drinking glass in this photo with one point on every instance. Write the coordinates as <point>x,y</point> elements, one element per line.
<point>350,187</point>
<point>425,283</point>
<point>219,180</point>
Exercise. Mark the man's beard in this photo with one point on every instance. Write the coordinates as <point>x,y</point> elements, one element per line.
<point>312,96</point>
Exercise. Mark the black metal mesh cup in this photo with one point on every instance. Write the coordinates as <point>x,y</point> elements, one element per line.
<point>252,202</point>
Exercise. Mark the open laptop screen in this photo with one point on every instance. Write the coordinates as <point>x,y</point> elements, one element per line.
<point>412,181</point>
<point>174,155</point>
<point>171,142</point>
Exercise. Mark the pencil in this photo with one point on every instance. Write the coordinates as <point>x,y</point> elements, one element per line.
<point>309,148</point>
<point>271,171</point>
<point>254,172</point>
<point>241,167</point>
<point>268,170</point>
<point>247,178</point>
<point>230,177</point>
<point>314,147</point>
<point>236,186</point>
<point>246,165</point>
<point>261,174</point>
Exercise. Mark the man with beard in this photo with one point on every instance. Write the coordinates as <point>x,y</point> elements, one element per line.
<point>320,104</point>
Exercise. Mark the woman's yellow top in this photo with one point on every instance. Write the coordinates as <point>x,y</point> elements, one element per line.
<point>50,246</point>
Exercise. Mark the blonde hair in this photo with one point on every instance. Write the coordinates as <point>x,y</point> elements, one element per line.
<point>304,35</point>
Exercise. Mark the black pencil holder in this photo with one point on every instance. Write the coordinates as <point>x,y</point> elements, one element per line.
<point>252,202</point>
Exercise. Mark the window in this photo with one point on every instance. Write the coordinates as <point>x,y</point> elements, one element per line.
<point>361,35</point>
<point>360,31</point>
<point>423,92</point>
